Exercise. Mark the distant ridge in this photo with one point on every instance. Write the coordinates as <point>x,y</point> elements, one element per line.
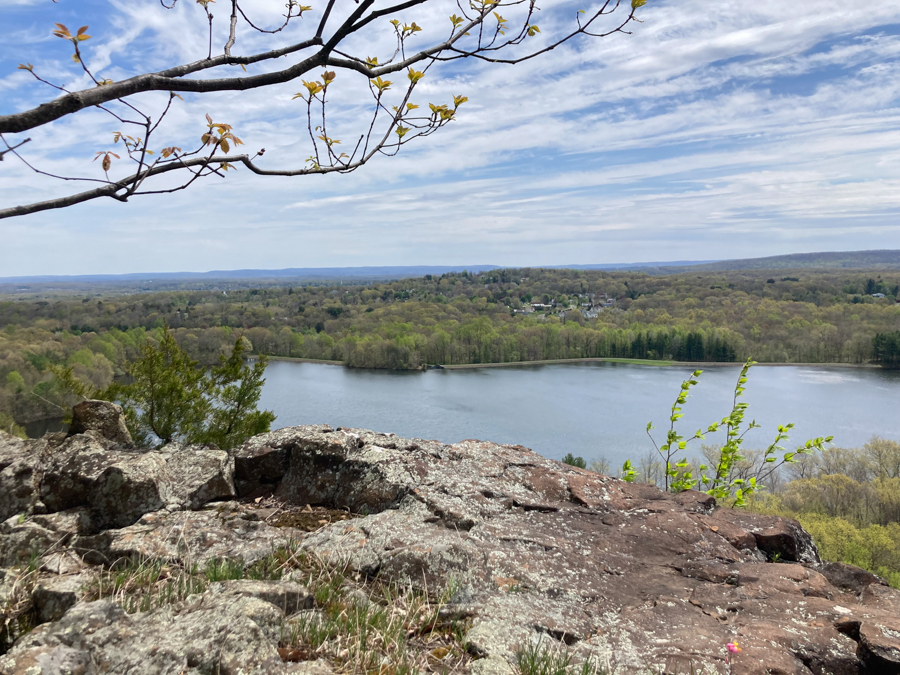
<point>877,259</point>
<point>311,273</point>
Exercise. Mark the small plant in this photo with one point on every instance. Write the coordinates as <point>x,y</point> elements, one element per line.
<point>572,460</point>
<point>539,658</point>
<point>721,480</point>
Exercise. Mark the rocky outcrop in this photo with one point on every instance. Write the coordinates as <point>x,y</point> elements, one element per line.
<point>626,575</point>
<point>17,463</point>
<point>100,418</point>
<point>119,486</point>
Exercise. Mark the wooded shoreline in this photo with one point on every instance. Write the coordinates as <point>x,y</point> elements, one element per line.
<point>549,362</point>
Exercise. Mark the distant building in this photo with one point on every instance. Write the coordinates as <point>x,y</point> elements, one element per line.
<point>878,295</point>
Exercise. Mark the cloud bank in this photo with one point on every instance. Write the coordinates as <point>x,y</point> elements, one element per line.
<point>713,131</point>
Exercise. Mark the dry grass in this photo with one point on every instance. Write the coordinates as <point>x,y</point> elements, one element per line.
<point>358,625</point>
<point>17,611</point>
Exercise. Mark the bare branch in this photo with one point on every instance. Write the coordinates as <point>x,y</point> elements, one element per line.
<point>11,148</point>
<point>232,29</point>
<point>468,37</point>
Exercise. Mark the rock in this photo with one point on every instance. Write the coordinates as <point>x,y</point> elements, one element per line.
<point>618,572</point>
<point>120,486</point>
<point>17,462</point>
<point>782,539</point>
<point>72,521</point>
<point>101,417</point>
<point>536,552</point>
<point>53,596</point>
<point>21,543</point>
<point>288,596</point>
<point>492,665</point>
<point>219,532</point>
<point>214,633</point>
<point>879,646</point>
<point>849,577</point>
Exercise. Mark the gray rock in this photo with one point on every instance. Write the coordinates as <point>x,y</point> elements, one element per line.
<point>192,537</point>
<point>17,463</point>
<point>288,596</point>
<point>209,634</point>
<point>22,543</point>
<point>120,486</point>
<point>73,521</point>
<point>53,596</point>
<point>105,418</point>
<point>492,665</point>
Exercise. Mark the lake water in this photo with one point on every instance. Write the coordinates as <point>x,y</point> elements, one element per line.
<point>590,409</point>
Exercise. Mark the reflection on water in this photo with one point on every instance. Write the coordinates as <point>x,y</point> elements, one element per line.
<point>589,409</point>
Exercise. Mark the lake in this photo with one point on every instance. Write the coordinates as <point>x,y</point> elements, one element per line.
<point>591,409</point>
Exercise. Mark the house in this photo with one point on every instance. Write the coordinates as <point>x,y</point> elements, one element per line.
<point>878,295</point>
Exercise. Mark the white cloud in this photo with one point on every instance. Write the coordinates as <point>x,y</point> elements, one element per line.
<point>711,129</point>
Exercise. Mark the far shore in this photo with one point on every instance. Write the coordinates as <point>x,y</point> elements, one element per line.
<point>636,362</point>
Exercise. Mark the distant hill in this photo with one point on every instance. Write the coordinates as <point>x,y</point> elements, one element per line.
<point>881,259</point>
<point>311,273</point>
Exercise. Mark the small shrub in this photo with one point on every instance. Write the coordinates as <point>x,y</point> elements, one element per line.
<point>726,478</point>
<point>572,460</point>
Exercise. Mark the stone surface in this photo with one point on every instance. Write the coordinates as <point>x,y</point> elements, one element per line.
<point>623,573</point>
<point>536,551</point>
<point>849,577</point>
<point>193,537</point>
<point>288,596</point>
<point>53,596</point>
<point>17,462</point>
<point>204,635</point>
<point>120,486</point>
<point>22,542</point>
<point>101,417</point>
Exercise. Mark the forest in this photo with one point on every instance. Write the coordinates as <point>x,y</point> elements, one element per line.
<point>497,316</point>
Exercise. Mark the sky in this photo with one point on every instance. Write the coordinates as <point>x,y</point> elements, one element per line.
<point>712,131</point>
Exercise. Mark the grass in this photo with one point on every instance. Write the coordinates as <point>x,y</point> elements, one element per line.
<point>357,624</point>
<point>17,615</point>
<point>17,612</point>
<point>541,659</point>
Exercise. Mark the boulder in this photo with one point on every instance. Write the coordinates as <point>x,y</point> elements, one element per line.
<point>22,542</point>
<point>103,418</point>
<point>849,578</point>
<point>53,596</point>
<point>120,486</point>
<point>17,463</point>
<point>221,531</point>
<point>226,631</point>
<point>534,552</point>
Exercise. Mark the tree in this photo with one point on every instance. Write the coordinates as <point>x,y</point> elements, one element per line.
<point>572,460</point>
<point>171,398</point>
<point>330,46</point>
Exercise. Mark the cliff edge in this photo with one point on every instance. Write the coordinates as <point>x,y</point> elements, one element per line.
<point>506,549</point>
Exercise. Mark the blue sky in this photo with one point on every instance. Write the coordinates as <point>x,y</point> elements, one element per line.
<point>715,130</point>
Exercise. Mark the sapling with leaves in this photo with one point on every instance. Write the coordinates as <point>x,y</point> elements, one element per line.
<point>477,30</point>
<point>722,479</point>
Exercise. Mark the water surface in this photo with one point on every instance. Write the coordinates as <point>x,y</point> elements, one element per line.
<point>590,409</point>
